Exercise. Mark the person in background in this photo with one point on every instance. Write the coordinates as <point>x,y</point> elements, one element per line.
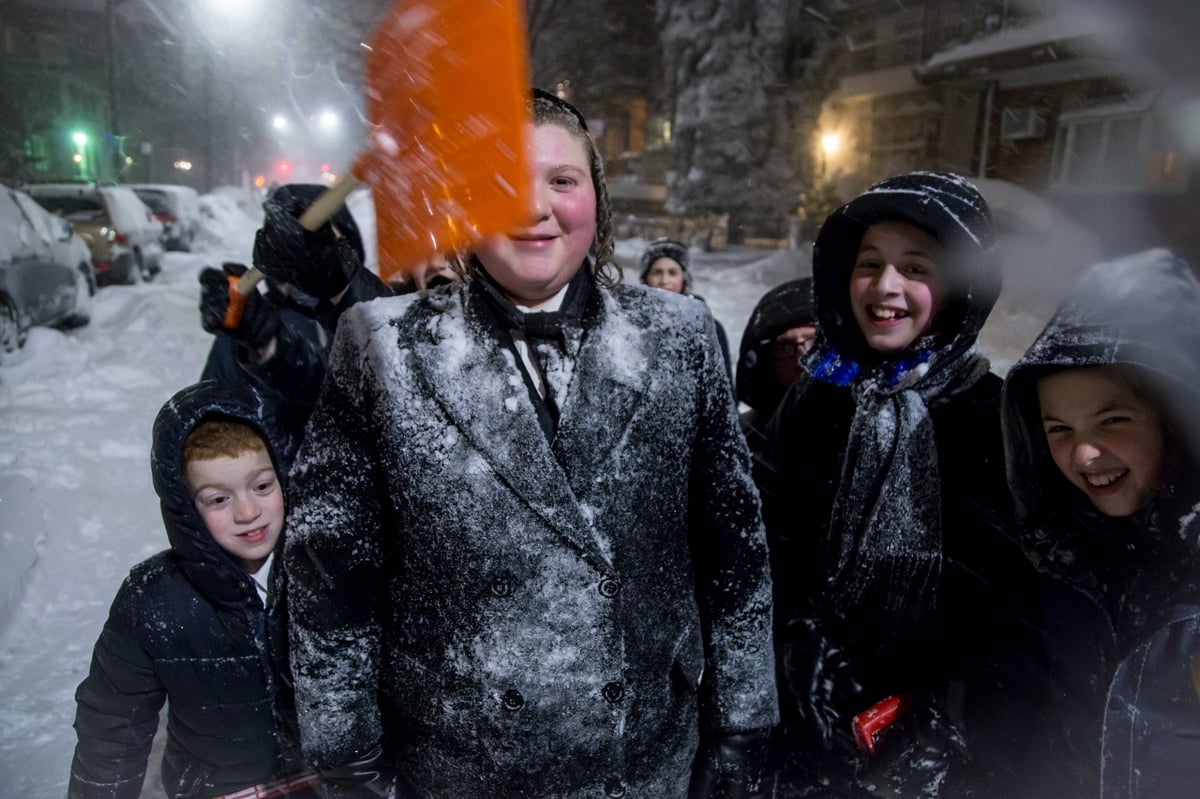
<point>430,274</point>
<point>666,265</point>
<point>277,346</point>
<point>200,626</point>
<point>1103,450</point>
<point>525,552</point>
<point>900,591</point>
<point>782,329</point>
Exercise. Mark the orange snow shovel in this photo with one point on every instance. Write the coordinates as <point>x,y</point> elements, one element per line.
<point>447,89</point>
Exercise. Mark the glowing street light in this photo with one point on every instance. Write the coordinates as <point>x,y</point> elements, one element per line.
<point>80,138</point>
<point>329,120</point>
<point>279,122</point>
<point>830,143</point>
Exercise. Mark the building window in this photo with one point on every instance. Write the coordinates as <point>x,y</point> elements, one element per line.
<point>1130,152</point>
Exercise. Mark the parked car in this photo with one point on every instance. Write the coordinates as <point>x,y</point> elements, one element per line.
<point>176,207</point>
<point>119,229</point>
<point>37,287</point>
<point>69,247</point>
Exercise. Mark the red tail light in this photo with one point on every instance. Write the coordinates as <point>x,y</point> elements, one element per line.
<point>122,238</point>
<point>166,219</point>
<point>102,266</point>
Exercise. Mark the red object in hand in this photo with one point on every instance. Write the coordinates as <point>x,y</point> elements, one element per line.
<point>869,724</point>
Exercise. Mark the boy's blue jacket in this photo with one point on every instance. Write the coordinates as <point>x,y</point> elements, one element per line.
<point>1124,617</point>
<point>187,628</point>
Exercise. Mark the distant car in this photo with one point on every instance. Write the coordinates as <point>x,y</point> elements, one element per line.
<point>118,227</point>
<point>176,207</point>
<point>37,287</point>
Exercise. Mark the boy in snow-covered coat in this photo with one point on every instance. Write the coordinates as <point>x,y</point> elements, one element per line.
<point>888,517</point>
<point>525,553</point>
<point>199,626</point>
<point>1103,449</point>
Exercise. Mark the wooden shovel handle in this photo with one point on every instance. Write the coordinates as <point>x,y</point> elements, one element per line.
<point>321,211</point>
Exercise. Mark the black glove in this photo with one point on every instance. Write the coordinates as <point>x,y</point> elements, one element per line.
<point>319,262</point>
<point>822,680</point>
<point>730,765</point>
<point>260,320</point>
<point>914,754</point>
<point>365,778</point>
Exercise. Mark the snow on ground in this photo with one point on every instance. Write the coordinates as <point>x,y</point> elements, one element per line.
<point>77,509</point>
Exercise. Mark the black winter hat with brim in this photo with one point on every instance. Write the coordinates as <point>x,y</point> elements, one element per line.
<point>946,206</point>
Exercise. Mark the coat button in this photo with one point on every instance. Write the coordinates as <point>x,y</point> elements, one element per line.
<point>502,585</point>
<point>614,788</point>
<point>512,700</point>
<point>613,692</point>
<point>609,587</point>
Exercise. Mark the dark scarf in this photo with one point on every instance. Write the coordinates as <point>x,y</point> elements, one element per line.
<point>886,521</point>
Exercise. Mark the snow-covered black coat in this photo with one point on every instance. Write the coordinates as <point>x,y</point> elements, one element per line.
<point>511,617</point>
<point>1124,615</point>
<point>187,627</point>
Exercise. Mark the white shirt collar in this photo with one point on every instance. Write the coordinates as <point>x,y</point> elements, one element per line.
<point>262,577</point>
<point>552,304</point>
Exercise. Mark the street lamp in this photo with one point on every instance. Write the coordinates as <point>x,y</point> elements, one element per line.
<point>80,138</point>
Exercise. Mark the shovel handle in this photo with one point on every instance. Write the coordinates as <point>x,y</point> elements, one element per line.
<point>239,289</point>
<point>321,211</point>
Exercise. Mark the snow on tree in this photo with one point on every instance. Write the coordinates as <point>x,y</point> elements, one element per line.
<point>726,82</point>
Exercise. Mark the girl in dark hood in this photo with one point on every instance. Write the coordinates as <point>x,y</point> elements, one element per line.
<point>666,265</point>
<point>1103,446</point>
<point>894,575</point>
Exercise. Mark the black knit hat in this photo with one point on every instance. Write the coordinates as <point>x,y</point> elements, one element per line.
<point>944,205</point>
<point>668,248</point>
<point>786,306</point>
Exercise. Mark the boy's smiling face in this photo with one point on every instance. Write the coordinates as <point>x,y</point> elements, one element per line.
<point>1104,436</point>
<point>897,285</point>
<point>534,261</point>
<point>241,502</point>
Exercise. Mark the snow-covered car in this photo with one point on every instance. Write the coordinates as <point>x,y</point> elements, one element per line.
<point>69,247</point>
<point>119,229</point>
<point>36,286</point>
<point>176,207</point>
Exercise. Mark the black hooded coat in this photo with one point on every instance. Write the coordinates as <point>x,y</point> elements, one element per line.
<point>1124,610</point>
<point>291,378</point>
<point>188,628</point>
<point>785,306</point>
<point>959,636</point>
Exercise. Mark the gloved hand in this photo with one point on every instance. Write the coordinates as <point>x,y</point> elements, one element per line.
<point>365,778</point>
<point>320,262</point>
<point>260,320</point>
<point>913,755</point>
<point>730,765</point>
<point>821,679</point>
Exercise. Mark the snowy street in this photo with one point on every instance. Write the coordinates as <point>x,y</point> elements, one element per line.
<point>77,509</point>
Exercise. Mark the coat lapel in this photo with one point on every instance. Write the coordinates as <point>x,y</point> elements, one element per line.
<point>611,373</point>
<point>479,385</point>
